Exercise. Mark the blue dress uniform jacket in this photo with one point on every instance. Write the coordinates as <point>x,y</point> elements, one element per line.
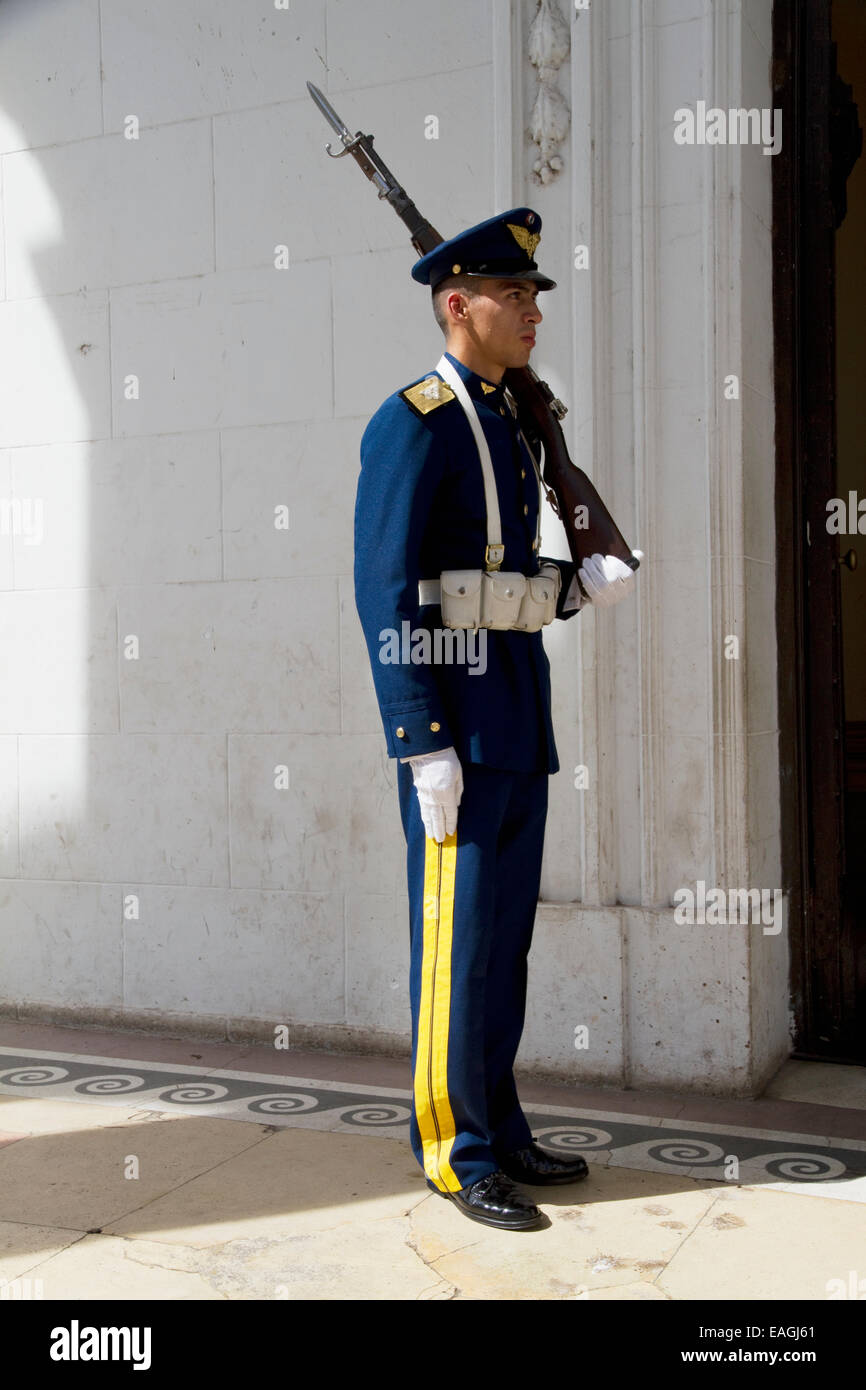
<point>420,510</point>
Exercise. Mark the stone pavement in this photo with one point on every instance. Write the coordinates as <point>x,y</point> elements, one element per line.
<point>146,1168</point>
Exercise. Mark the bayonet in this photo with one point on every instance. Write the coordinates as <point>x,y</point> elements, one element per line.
<point>330,115</point>
<point>360,147</point>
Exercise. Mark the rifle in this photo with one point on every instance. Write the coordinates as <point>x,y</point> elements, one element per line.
<point>589,526</point>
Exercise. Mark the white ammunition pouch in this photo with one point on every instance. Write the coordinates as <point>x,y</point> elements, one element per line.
<point>497,598</point>
<point>501,599</point>
<point>538,607</point>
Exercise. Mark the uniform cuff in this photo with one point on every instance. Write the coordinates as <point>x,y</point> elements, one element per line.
<point>570,600</point>
<point>573,600</point>
<point>414,731</point>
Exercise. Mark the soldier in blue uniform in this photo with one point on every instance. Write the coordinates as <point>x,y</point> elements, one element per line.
<point>468,720</point>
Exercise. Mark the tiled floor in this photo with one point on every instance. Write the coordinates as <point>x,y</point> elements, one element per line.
<point>141,1167</point>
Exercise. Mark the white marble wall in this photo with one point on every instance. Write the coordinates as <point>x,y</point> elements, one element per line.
<point>152,872</point>
<point>680,742</point>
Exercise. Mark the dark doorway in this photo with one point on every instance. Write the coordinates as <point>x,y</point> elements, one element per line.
<point>819,243</point>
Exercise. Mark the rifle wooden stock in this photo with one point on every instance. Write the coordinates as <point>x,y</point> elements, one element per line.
<point>589,527</point>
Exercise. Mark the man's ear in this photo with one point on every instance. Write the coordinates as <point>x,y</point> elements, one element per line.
<point>464,303</point>
<point>460,312</point>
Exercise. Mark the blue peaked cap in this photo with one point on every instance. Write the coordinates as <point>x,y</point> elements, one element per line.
<point>502,247</point>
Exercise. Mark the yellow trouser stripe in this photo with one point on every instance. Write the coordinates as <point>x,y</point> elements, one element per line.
<point>430,1083</point>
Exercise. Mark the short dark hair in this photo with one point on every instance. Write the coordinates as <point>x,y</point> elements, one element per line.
<point>444,288</point>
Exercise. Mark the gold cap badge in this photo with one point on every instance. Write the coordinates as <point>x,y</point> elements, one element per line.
<point>527,241</point>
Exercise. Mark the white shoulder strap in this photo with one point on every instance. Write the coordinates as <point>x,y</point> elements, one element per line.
<point>495,549</point>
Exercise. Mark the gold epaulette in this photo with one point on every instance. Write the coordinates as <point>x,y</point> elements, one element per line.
<point>427,394</point>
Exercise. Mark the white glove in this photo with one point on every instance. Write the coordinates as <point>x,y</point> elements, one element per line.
<point>606,579</point>
<point>439,784</point>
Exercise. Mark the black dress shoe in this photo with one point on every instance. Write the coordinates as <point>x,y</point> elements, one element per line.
<point>541,1169</point>
<point>495,1201</point>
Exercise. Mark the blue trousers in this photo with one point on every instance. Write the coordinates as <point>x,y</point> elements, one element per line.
<point>472,902</point>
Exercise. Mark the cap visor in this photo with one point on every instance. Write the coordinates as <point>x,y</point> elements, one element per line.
<point>542,281</point>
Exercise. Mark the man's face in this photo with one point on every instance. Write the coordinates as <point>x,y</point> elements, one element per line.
<point>501,320</point>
